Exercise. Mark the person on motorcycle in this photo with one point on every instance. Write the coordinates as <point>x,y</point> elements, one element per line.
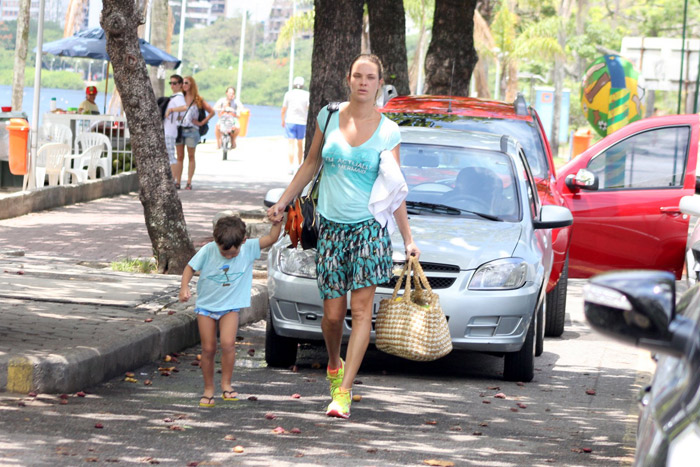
<point>228,104</point>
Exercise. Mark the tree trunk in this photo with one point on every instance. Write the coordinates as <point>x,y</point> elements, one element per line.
<point>21,43</point>
<point>558,75</point>
<point>337,36</point>
<point>387,32</point>
<point>451,48</point>
<point>417,58</point>
<point>481,74</point>
<point>558,79</point>
<point>165,220</point>
<point>159,38</point>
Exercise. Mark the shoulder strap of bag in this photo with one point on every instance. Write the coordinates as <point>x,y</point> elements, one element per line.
<point>188,109</point>
<point>332,107</point>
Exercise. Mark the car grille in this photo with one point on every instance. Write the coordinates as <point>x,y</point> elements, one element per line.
<point>436,282</point>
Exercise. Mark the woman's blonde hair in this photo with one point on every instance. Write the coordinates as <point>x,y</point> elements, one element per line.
<point>194,91</point>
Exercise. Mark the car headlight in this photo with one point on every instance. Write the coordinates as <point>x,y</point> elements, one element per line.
<point>297,262</point>
<point>507,273</point>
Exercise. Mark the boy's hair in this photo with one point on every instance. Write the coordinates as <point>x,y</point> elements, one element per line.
<point>229,232</point>
<point>177,78</point>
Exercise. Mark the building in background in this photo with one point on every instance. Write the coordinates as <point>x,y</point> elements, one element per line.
<point>54,10</point>
<point>280,12</point>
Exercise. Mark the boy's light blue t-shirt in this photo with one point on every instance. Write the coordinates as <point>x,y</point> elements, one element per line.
<point>225,284</point>
<point>349,172</point>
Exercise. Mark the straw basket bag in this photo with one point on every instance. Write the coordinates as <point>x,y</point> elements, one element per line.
<point>413,326</point>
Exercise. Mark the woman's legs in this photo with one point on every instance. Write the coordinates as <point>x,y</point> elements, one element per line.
<point>217,131</point>
<point>228,328</point>
<point>178,166</point>
<point>334,311</point>
<point>190,164</point>
<point>207,335</point>
<point>361,301</point>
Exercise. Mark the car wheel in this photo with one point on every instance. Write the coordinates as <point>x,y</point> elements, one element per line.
<point>556,305</point>
<point>280,351</point>
<point>520,366</point>
<point>539,332</point>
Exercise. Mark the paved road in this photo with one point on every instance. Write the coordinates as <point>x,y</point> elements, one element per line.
<point>409,412</point>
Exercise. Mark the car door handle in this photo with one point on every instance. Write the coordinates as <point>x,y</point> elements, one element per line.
<point>670,209</point>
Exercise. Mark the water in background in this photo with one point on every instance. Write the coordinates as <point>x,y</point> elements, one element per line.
<point>264,120</point>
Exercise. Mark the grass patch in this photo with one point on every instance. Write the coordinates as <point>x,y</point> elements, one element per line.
<point>142,265</point>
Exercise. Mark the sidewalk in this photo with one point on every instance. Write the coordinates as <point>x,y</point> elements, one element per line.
<point>69,321</point>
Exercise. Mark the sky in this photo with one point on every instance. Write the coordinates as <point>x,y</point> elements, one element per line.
<point>259,10</point>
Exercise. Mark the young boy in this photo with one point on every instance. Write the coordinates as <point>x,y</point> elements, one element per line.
<point>225,282</point>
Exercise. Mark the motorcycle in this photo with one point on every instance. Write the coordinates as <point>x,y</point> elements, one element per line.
<point>227,124</point>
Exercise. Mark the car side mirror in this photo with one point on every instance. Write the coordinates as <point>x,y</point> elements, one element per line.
<point>583,180</point>
<point>638,307</point>
<point>272,196</point>
<point>553,217</point>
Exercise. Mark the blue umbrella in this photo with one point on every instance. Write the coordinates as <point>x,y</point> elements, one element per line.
<point>91,43</point>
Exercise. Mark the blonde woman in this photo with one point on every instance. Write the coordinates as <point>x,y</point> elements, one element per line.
<point>354,250</point>
<point>190,130</point>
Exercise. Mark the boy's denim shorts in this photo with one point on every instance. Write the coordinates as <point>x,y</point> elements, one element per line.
<point>216,315</point>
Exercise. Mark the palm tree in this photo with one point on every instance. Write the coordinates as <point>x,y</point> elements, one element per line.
<point>21,45</point>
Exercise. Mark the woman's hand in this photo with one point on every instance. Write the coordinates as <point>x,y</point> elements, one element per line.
<point>276,213</point>
<point>412,250</point>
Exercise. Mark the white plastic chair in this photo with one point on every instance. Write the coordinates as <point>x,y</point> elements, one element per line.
<point>104,162</point>
<point>84,165</point>
<point>49,162</point>
<point>55,133</point>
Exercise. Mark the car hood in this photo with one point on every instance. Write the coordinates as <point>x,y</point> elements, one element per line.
<point>462,241</point>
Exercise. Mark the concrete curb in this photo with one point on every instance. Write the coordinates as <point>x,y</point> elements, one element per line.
<point>79,369</point>
<point>25,202</point>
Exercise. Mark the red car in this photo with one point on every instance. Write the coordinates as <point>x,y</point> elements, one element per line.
<point>513,119</point>
<point>624,193</point>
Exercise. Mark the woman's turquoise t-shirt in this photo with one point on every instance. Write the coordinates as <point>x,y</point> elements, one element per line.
<point>349,172</point>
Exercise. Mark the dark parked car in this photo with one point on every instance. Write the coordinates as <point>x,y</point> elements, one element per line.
<point>639,307</point>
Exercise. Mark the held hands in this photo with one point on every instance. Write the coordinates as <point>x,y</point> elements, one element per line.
<point>276,213</point>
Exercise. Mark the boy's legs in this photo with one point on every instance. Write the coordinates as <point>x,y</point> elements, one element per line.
<point>207,335</point>
<point>228,328</point>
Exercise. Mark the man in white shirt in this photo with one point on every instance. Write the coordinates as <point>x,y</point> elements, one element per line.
<point>294,114</point>
<point>172,119</point>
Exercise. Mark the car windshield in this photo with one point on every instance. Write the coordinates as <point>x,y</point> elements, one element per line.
<point>451,180</point>
<point>525,132</point>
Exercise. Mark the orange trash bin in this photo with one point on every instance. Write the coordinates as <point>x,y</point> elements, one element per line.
<point>18,128</point>
<point>581,141</point>
<point>243,121</point>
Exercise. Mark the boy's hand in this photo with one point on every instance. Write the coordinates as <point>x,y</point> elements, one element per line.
<point>185,294</point>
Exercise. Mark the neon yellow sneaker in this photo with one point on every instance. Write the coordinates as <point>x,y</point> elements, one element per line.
<point>336,376</point>
<point>340,407</point>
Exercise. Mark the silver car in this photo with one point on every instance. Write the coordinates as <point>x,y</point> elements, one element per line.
<point>485,243</point>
